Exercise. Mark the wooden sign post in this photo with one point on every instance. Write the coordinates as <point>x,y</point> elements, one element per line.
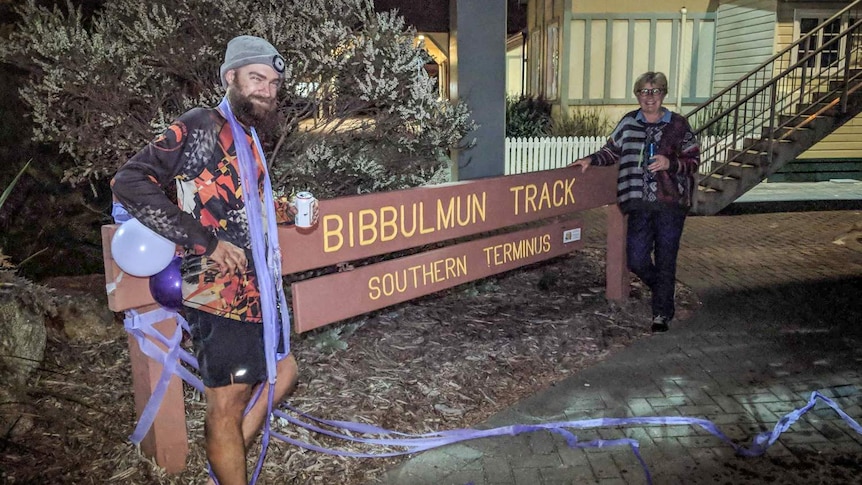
<point>166,441</point>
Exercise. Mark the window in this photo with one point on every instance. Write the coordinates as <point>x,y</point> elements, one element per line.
<point>605,53</point>
<point>829,57</point>
<point>535,60</point>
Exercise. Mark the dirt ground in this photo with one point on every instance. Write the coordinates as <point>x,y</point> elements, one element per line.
<point>446,361</point>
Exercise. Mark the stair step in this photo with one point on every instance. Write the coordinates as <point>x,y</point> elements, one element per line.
<point>834,93</point>
<point>810,122</point>
<point>748,157</point>
<point>837,85</point>
<point>816,107</point>
<point>738,170</point>
<point>789,134</point>
<point>751,144</point>
<point>709,201</point>
<point>785,120</point>
<point>722,183</point>
<point>764,145</point>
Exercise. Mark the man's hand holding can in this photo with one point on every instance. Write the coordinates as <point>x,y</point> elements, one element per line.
<point>306,210</point>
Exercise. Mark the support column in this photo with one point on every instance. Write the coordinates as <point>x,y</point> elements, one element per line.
<point>477,48</point>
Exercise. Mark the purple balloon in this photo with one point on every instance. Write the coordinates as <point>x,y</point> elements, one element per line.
<point>166,286</point>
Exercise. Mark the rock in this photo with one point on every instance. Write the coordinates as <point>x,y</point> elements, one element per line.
<point>22,348</point>
<point>84,318</point>
<point>82,308</point>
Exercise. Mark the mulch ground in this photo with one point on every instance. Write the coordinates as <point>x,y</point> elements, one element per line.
<point>446,361</point>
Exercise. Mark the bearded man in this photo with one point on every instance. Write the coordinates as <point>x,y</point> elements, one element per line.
<point>224,219</point>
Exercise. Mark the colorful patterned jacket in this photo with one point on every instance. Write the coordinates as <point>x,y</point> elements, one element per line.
<point>196,153</point>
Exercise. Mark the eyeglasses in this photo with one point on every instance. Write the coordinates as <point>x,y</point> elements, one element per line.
<point>649,92</point>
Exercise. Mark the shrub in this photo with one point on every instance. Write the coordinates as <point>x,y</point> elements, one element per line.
<point>581,122</point>
<point>527,116</point>
<point>360,114</point>
<point>718,127</point>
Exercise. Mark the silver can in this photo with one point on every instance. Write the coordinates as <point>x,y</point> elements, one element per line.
<point>304,202</point>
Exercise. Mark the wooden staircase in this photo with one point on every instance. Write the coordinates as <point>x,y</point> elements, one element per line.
<point>752,128</point>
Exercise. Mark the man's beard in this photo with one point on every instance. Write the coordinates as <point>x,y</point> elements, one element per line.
<point>263,118</point>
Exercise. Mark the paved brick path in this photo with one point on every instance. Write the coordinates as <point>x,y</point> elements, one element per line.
<point>782,317</point>
<point>761,250</point>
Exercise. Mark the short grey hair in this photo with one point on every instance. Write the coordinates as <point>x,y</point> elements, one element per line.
<point>657,79</point>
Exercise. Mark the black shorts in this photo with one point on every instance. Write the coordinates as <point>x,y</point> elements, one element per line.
<point>228,351</point>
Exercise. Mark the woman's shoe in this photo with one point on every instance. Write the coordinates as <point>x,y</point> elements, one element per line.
<point>660,323</point>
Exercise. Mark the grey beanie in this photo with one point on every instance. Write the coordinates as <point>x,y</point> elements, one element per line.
<point>248,49</point>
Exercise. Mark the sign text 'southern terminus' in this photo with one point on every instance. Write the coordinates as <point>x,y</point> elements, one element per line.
<point>334,297</point>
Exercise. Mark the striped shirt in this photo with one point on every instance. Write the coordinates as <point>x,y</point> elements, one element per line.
<point>638,188</point>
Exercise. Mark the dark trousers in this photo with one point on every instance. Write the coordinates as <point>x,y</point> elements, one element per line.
<point>651,248</point>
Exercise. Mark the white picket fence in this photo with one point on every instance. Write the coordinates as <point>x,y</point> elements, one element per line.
<point>543,153</point>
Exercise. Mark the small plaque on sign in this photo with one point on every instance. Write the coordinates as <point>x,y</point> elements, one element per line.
<point>572,235</point>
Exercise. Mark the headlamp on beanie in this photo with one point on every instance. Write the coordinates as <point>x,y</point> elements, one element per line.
<point>248,49</point>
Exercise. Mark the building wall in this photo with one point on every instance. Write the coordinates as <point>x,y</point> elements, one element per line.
<point>635,6</point>
<point>611,43</point>
<point>745,38</point>
<point>540,57</point>
<point>606,45</point>
<point>608,52</point>
<point>601,47</point>
<point>845,142</point>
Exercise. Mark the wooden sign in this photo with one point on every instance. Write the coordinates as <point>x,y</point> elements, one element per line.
<point>358,227</point>
<point>330,298</point>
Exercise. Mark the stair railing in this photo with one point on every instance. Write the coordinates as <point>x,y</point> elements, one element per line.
<point>785,93</point>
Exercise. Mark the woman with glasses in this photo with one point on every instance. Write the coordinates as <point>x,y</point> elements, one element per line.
<point>658,156</point>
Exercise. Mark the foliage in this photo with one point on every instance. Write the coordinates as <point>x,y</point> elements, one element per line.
<point>4,260</point>
<point>32,296</point>
<point>36,298</point>
<point>334,339</point>
<point>8,190</point>
<point>359,112</point>
<point>530,116</point>
<point>719,127</point>
<point>480,287</point>
<point>41,212</point>
<point>527,116</point>
<point>581,122</point>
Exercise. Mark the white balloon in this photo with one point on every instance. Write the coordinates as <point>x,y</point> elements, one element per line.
<point>139,251</point>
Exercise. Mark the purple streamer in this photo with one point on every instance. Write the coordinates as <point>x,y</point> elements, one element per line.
<point>119,213</point>
<point>266,254</point>
<point>267,260</point>
<point>140,325</point>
